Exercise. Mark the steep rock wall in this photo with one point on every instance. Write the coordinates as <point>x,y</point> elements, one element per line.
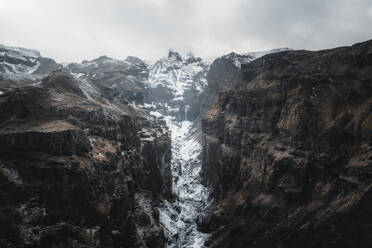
<point>288,152</point>
<point>73,172</point>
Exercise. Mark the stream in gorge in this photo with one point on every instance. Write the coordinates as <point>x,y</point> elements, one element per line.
<point>179,218</point>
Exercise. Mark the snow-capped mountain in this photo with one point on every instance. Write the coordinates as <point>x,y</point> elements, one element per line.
<point>19,64</point>
<point>180,81</point>
<point>178,74</point>
<point>184,82</point>
<point>116,78</point>
<point>173,85</point>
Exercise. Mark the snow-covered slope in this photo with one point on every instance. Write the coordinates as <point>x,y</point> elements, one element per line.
<point>17,64</point>
<point>180,217</point>
<point>176,85</point>
<point>238,59</point>
<point>124,79</point>
<point>178,74</point>
<point>178,81</point>
<point>263,53</point>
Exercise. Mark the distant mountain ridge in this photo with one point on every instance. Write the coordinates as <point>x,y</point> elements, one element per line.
<point>181,80</point>
<point>19,64</point>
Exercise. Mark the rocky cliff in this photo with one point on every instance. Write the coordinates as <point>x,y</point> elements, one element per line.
<point>224,73</point>
<point>288,152</point>
<point>78,170</point>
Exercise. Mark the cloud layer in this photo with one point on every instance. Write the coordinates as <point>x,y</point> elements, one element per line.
<point>73,30</point>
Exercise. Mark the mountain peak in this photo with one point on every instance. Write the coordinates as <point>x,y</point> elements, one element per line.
<point>133,60</point>
<point>103,57</point>
<point>172,54</point>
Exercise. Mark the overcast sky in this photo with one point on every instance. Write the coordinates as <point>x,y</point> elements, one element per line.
<point>73,30</point>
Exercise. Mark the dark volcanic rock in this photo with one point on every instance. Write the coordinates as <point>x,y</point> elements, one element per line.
<point>288,152</point>
<point>174,55</point>
<point>223,74</point>
<point>55,138</point>
<point>62,81</point>
<point>72,170</point>
<point>154,152</point>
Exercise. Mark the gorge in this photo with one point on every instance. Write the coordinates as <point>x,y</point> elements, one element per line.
<point>262,149</point>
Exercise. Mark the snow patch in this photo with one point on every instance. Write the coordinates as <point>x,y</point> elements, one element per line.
<point>179,218</point>
<point>11,174</point>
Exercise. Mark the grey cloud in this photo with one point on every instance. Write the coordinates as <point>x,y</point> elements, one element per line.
<point>72,30</point>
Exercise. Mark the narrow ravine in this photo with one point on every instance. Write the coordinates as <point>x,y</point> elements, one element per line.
<point>179,218</point>
<point>175,85</point>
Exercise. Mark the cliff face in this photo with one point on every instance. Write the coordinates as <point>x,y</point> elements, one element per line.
<point>224,74</point>
<point>79,171</point>
<point>288,152</point>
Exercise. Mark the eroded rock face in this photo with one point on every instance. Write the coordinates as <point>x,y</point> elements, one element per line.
<point>58,141</point>
<point>288,152</point>
<point>224,74</point>
<point>73,172</point>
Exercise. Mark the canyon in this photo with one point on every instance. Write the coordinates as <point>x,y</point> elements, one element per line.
<point>262,149</point>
